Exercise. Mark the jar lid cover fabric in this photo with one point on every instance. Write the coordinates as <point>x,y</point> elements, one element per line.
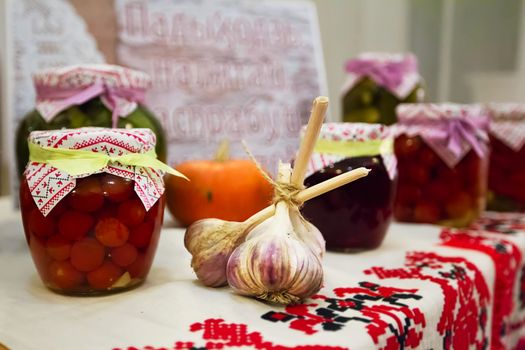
<point>396,72</point>
<point>508,123</point>
<point>338,141</point>
<point>49,184</point>
<point>450,129</point>
<point>119,88</point>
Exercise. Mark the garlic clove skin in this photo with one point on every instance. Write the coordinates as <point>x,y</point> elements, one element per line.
<point>275,265</point>
<point>260,229</point>
<point>303,229</point>
<point>211,271</point>
<point>308,233</point>
<point>211,242</point>
<point>280,270</point>
<point>198,234</point>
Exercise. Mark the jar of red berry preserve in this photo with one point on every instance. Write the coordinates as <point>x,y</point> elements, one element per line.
<point>507,157</point>
<point>355,216</point>
<point>442,152</point>
<point>92,204</point>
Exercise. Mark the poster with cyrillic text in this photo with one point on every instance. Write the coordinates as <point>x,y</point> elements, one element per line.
<point>236,70</point>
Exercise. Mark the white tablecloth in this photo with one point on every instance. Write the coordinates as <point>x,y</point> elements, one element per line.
<point>370,300</point>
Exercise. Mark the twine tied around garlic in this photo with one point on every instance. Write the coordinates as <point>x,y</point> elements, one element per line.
<point>283,191</point>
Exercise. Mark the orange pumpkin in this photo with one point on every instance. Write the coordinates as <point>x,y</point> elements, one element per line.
<point>227,189</point>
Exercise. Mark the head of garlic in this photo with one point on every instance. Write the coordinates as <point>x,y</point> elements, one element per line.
<point>275,264</point>
<point>211,242</point>
<point>304,230</point>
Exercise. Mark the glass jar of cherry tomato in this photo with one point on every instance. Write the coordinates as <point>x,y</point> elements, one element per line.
<point>507,157</point>
<point>376,83</point>
<point>442,153</point>
<point>91,228</point>
<point>355,216</point>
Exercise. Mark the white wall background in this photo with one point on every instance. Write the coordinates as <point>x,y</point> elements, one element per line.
<point>468,50</point>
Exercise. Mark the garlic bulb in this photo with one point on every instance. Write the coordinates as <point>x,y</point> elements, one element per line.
<point>210,252</point>
<point>274,264</point>
<point>304,230</point>
<point>308,233</point>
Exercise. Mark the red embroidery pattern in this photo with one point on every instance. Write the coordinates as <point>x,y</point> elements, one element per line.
<point>507,259</point>
<point>390,322</point>
<point>463,320</point>
<point>221,335</point>
<point>507,223</point>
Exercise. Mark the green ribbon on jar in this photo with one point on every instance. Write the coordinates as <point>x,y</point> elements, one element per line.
<point>356,148</point>
<point>78,162</point>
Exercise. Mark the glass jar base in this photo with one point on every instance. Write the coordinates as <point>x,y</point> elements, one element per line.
<point>498,202</point>
<point>135,283</point>
<point>340,249</point>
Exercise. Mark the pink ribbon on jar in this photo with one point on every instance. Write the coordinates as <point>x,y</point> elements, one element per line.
<point>387,73</point>
<point>76,96</point>
<point>454,131</point>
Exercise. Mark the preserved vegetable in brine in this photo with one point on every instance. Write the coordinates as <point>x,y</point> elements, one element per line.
<point>88,95</point>
<point>92,204</point>
<point>507,157</point>
<point>376,83</point>
<point>442,153</point>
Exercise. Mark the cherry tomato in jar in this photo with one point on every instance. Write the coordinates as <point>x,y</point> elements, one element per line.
<point>140,236</point>
<point>458,205</point>
<point>37,247</point>
<point>426,212</point>
<point>115,188</point>
<point>111,232</point>
<point>131,212</point>
<point>59,209</point>
<point>138,268</point>
<point>124,255</point>
<point>428,157</point>
<point>104,276</point>
<point>107,211</point>
<point>26,199</point>
<point>87,195</point>
<point>438,191</point>
<point>418,173</point>
<point>407,146</point>
<point>40,225</point>
<point>408,194</point>
<point>152,213</point>
<point>63,275</point>
<point>403,212</point>
<point>58,248</point>
<point>87,254</point>
<point>73,225</point>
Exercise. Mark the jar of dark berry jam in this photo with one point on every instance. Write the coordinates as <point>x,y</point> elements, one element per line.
<point>92,205</point>
<point>442,153</point>
<point>507,157</point>
<point>355,216</point>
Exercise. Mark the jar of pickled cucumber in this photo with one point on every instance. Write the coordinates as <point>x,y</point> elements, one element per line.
<point>376,83</point>
<point>92,204</point>
<point>507,158</point>
<point>442,152</point>
<point>355,216</point>
<point>88,95</point>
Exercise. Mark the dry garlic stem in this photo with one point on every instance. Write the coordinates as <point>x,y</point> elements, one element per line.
<point>276,265</point>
